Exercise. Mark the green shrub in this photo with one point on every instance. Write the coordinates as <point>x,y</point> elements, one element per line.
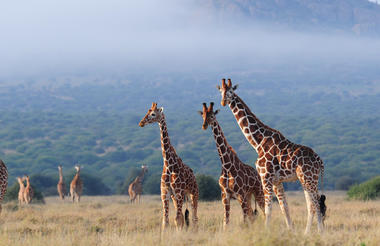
<point>133,172</point>
<point>368,190</point>
<point>208,188</point>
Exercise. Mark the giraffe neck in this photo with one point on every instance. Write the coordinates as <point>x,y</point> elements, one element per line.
<point>168,152</point>
<point>224,149</point>
<point>60,176</point>
<point>141,176</point>
<point>253,129</point>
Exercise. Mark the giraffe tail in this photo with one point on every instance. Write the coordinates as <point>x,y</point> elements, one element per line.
<point>255,212</point>
<point>322,198</point>
<point>187,220</point>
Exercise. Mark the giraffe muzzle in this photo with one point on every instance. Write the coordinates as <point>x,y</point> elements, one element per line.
<point>141,124</point>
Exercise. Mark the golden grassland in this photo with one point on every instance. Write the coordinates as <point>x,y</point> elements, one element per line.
<point>113,221</point>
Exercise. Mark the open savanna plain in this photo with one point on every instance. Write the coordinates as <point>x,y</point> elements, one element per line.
<point>112,220</point>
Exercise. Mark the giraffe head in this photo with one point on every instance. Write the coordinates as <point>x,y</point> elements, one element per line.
<point>144,168</point>
<point>208,115</point>
<point>20,180</point>
<point>154,114</point>
<point>77,167</point>
<point>227,91</point>
<point>26,177</point>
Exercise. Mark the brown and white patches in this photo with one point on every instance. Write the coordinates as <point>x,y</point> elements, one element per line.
<point>177,179</point>
<point>135,188</point>
<point>76,185</point>
<point>61,187</point>
<point>279,160</point>
<point>237,179</point>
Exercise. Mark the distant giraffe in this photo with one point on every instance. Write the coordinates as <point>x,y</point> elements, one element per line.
<point>177,180</point>
<point>76,185</point>
<point>279,160</point>
<point>28,192</point>
<point>61,187</point>
<point>3,181</point>
<point>237,179</point>
<point>21,191</point>
<point>135,188</point>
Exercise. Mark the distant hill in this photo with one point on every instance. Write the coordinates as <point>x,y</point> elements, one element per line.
<point>359,17</point>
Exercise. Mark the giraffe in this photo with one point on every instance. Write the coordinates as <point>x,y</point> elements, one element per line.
<point>279,160</point>
<point>28,192</point>
<point>177,179</point>
<point>61,187</point>
<point>237,179</point>
<point>76,185</point>
<point>3,181</point>
<point>21,191</point>
<point>135,188</point>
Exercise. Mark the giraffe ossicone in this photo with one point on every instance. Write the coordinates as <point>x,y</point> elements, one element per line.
<point>279,160</point>
<point>177,179</point>
<point>237,180</point>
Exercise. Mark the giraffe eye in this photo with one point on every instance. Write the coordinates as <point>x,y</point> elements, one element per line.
<point>153,114</point>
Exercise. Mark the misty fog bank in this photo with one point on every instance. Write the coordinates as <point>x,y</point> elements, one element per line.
<point>52,38</point>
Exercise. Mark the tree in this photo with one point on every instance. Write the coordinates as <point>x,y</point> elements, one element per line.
<point>208,188</point>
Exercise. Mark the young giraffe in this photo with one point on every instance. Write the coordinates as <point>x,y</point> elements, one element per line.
<point>237,179</point>
<point>21,191</point>
<point>61,187</point>
<point>135,188</point>
<point>28,192</point>
<point>279,160</point>
<point>3,181</point>
<point>76,185</point>
<point>177,179</point>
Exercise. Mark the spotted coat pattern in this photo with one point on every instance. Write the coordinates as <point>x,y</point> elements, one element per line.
<point>28,192</point>
<point>61,187</point>
<point>177,179</point>
<point>21,190</point>
<point>76,186</point>
<point>237,180</point>
<point>3,181</point>
<point>135,188</point>
<point>279,160</point>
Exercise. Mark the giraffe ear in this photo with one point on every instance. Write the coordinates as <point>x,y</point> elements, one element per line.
<point>200,112</point>
<point>216,112</point>
<point>161,109</point>
<point>235,87</point>
<point>218,87</point>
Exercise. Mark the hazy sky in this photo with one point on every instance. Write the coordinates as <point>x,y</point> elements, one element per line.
<point>46,37</point>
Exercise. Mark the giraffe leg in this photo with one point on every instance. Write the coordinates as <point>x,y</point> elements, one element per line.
<point>226,197</point>
<point>268,194</point>
<point>165,207</point>
<point>245,202</point>
<point>312,201</point>
<point>179,219</point>
<point>194,208</point>
<point>280,193</point>
<point>309,211</point>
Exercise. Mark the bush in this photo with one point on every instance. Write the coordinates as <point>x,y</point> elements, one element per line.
<point>369,190</point>
<point>152,185</point>
<point>133,172</point>
<point>208,188</point>
<point>344,183</point>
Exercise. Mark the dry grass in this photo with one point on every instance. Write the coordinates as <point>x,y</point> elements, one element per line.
<point>113,221</point>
